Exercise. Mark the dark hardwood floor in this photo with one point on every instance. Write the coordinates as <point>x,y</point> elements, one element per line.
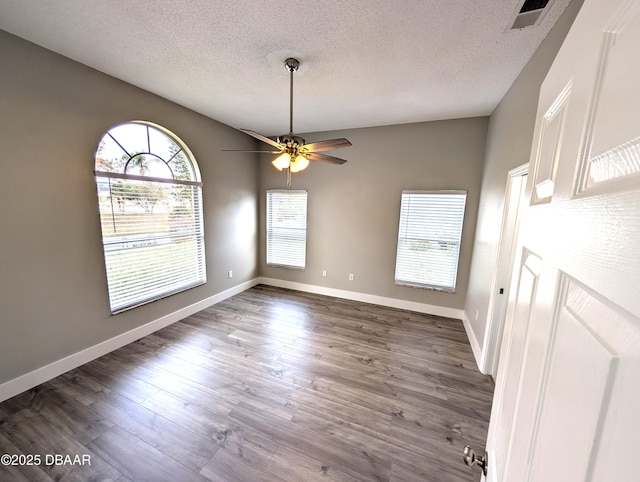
<point>269,385</point>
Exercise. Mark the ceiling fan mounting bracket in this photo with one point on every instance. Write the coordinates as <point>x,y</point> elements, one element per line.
<point>292,64</point>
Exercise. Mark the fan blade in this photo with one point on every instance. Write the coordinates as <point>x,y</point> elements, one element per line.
<point>262,138</point>
<point>244,150</point>
<point>327,145</point>
<point>314,156</point>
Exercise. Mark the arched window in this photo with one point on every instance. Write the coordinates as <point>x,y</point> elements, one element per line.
<point>150,199</point>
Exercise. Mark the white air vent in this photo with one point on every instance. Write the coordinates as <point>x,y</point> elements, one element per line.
<point>531,13</point>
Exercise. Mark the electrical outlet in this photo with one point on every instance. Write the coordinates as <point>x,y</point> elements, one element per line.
<point>324,273</point>
<point>230,274</point>
<point>351,277</point>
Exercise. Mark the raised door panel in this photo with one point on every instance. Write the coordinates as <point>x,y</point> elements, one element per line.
<point>594,354</point>
<point>611,147</point>
<point>509,374</point>
<point>549,147</point>
<point>542,327</point>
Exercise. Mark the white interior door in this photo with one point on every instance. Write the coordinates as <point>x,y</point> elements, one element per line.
<point>567,399</point>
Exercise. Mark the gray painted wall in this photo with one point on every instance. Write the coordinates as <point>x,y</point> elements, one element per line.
<point>353,209</point>
<point>53,293</point>
<point>508,145</point>
<point>53,111</point>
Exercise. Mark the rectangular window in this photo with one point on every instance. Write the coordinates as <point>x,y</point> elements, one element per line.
<point>153,238</point>
<point>286,228</point>
<point>429,236</point>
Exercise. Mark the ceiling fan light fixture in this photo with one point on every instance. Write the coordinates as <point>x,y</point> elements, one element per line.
<point>293,153</point>
<point>281,162</point>
<point>300,163</point>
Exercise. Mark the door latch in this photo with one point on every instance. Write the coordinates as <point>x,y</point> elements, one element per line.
<point>470,458</point>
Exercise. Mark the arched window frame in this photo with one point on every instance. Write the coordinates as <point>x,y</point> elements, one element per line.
<point>151,221</point>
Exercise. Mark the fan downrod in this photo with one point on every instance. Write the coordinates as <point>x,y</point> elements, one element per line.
<point>292,65</point>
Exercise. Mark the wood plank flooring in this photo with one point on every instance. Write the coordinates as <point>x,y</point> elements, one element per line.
<point>269,385</point>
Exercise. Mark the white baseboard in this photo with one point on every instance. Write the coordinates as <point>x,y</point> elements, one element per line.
<point>473,341</point>
<point>366,298</point>
<point>52,370</point>
<point>391,302</point>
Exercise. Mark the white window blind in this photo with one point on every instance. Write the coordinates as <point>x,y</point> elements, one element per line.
<point>151,216</point>
<point>286,228</point>
<point>429,236</point>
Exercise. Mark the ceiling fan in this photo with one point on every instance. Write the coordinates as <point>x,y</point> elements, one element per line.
<point>294,154</point>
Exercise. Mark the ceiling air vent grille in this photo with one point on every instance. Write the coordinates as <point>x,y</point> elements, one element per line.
<point>530,5</point>
<point>530,13</point>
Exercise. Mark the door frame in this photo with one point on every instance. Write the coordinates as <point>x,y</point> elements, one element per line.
<point>503,271</point>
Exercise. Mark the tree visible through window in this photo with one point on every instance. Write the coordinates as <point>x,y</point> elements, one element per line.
<point>429,236</point>
<point>150,201</point>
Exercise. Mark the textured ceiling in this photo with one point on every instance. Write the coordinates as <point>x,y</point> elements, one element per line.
<point>363,62</point>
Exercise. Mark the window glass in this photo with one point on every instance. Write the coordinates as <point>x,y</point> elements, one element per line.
<point>429,235</point>
<point>152,230</point>
<point>286,228</point>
